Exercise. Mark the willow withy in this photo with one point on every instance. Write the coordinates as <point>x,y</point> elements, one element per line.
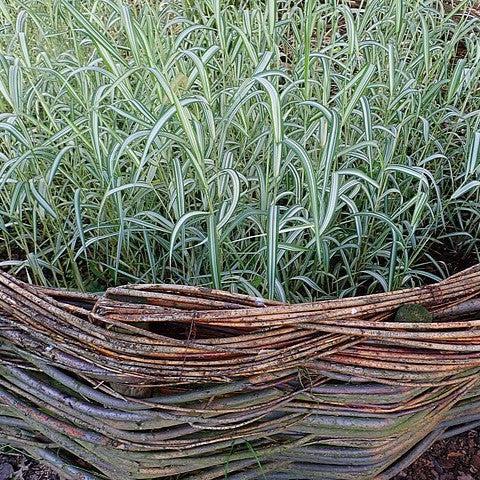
<point>165,381</point>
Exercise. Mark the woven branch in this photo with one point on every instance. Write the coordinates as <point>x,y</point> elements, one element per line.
<point>163,381</point>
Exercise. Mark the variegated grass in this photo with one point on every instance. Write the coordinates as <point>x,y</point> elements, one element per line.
<point>292,149</point>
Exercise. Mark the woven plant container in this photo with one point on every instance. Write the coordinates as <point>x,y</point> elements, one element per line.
<point>161,381</point>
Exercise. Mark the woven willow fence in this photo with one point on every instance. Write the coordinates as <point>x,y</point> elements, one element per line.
<point>160,381</point>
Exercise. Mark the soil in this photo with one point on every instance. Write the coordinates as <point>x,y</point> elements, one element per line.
<point>457,458</point>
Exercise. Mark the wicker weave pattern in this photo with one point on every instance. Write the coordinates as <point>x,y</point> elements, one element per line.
<point>160,381</point>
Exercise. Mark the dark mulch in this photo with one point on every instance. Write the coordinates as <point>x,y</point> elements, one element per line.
<point>456,458</point>
<point>18,467</point>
